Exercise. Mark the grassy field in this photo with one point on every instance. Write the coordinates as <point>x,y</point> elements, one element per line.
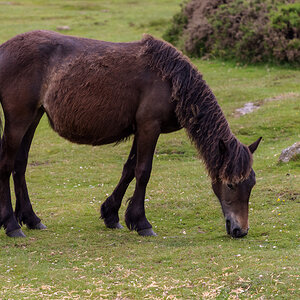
<point>192,257</point>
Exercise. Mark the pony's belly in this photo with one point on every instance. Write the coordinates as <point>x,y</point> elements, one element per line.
<point>89,128</point>
<point>96,140</point>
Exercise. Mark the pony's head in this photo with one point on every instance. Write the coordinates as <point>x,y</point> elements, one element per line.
<point>234,199</point>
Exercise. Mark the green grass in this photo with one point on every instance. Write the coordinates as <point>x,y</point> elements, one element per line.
<point>192,257</point>
<point>113,20</point>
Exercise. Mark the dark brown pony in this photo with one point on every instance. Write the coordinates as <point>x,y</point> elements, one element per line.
<point>96,92</point>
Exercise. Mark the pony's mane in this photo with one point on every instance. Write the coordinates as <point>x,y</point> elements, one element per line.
<point>199,112</point>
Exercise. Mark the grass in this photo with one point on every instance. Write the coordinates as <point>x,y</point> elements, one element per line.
<point>192,257</point>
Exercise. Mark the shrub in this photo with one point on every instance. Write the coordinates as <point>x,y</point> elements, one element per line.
<point>246,30</point>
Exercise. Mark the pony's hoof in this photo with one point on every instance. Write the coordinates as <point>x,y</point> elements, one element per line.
<point>16,233</point>
<point>39,226</point>
<point>147,232</point>
<point>114,226</point>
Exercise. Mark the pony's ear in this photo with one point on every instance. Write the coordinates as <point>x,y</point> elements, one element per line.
<point>254,146</point>
<point>222,147</point>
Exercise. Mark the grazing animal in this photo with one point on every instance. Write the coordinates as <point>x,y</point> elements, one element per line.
<point>96,93</point>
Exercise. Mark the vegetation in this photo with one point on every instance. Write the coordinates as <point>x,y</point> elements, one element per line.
<point>192,257</point>
<point>248,31</point>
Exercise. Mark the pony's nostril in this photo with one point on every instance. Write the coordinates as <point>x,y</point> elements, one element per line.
<point>236,232</point>
<point>228,225</point>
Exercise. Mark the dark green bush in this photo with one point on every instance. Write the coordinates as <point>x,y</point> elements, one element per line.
<point>246,30</point>
<point>287,18</point>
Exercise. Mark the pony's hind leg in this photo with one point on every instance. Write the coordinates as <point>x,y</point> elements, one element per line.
<point>135,217</point>
<point>111,206</point>
<point>7,217</point>
<point>24,212</point>
<point>10,143</point>
<point>19,115</point>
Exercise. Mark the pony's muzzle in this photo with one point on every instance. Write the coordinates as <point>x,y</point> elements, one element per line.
<point>234,229</point>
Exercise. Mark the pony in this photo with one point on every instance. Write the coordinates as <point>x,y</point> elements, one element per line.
<point>96,92</point>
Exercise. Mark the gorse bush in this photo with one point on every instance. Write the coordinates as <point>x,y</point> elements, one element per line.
<point>287,18</point>
<point>286,23</point>
<point>245,30</point>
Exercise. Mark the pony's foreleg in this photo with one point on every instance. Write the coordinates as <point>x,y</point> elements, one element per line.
<point>24,212</point>
<point>111,206</point>
<point>135,214</point>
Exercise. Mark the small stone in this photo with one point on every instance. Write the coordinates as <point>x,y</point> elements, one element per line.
<point>62,28</point>
<point>247,109</point>
<point>290,152</point>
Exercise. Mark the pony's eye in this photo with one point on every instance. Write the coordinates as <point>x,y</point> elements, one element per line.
<point>230,186</point>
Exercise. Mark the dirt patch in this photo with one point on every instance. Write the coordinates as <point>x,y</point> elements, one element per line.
<point>246,109</point>
<point>290,195</point>
<point>282,97</point>
<point>249,107</point>
<point>39,163</point>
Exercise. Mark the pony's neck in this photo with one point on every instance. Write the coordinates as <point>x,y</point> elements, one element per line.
<point>198,111</point>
